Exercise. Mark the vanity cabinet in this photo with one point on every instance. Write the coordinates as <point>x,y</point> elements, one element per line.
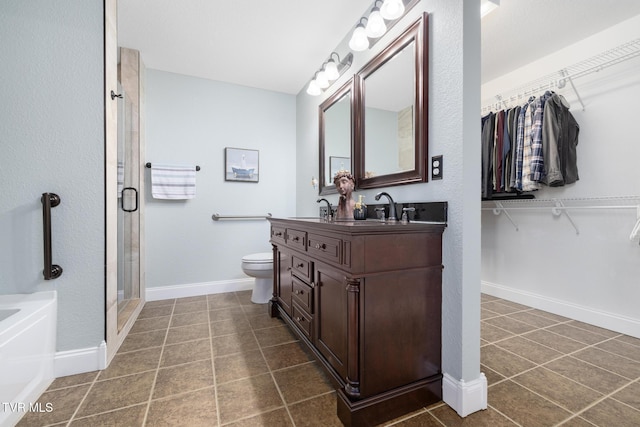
<point>366,298</point>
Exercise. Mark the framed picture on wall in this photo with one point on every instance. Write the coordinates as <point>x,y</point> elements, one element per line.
<point>337,164</point>
<point>241,165</point>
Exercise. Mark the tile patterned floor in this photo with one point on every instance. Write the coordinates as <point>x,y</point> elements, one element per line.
<point>219,360</point>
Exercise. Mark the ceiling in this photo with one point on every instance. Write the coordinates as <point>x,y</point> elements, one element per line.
<point>278,45</point>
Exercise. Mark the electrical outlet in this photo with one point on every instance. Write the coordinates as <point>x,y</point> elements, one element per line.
<point>436,167</point>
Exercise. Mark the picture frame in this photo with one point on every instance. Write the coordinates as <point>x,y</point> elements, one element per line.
<point>241,165</point>
<point>337,163</point>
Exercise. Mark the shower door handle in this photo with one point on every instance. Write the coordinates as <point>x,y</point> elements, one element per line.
<point>135,193</point>
<point>49,200</point>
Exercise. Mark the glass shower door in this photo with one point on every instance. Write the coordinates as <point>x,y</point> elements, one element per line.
<point>128,212</point>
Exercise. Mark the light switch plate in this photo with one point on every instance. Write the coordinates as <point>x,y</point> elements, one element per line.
<point>436,167</point>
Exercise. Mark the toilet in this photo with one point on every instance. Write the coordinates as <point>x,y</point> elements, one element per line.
<point>260,266</point>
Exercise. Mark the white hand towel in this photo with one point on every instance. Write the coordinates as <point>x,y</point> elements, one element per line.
<point>176,182</point>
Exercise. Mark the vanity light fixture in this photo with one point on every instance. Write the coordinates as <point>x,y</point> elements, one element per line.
<point>328,73</point>
<point>375,23</point>
<point>359,40</point>
<point>321,79</point>
<point>331,69</point>
<point>379,20</point>
<point>313,89</point>
<point>392,9</point>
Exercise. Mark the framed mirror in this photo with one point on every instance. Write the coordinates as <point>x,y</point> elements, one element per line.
<point>336,136</point>
<point>391,109</point>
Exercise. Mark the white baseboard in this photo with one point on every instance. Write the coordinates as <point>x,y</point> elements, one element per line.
<point>465,397</point>
<point>614,322</point>
<point>89,359</point>
<point>79,361</point>
<point>197,289</point>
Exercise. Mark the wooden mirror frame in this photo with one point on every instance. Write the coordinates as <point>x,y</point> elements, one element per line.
<point>417,32</point>
<point>323,187</point>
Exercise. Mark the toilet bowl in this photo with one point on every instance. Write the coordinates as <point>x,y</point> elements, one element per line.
<point>260,266</point>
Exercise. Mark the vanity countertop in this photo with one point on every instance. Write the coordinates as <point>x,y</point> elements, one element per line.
<point>365,226</point>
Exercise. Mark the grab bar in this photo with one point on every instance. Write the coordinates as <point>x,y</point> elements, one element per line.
<point>49,200</point>
<point>217,217</point>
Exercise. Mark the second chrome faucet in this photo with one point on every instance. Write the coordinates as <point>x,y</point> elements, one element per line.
<point>329,214</point>
<point>392,205</point>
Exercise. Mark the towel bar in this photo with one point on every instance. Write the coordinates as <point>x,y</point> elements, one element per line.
<point>217,217</point>
<point>148,165</point>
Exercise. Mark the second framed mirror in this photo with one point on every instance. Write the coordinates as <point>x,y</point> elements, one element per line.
<point>336,136</point>
<point>391,110</point>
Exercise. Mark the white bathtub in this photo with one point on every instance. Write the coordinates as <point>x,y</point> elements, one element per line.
<point>27,350</point>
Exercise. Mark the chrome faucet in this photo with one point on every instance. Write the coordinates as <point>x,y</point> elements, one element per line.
<point>392,205</point>
<point>329,214</point>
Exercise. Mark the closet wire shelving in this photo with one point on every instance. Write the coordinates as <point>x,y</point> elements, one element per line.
<point>560,78</point>
<point>560,207</point>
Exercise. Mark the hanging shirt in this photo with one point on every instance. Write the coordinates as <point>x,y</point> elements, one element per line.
<point>527,151</point>
<point>513,126</point>
<point>498,152</point>
<point>488,124</point>
<point>537,157</point>
<point>506,153</point>
<point>560,134</point>
<point>519,158</point>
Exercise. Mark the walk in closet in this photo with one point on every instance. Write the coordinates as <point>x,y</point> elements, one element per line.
<point>566,242</point>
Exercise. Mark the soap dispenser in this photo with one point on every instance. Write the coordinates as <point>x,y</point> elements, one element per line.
<point>360,209</point>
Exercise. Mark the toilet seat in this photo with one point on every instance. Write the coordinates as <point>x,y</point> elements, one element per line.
<point>259,258</point>
<point>260,267</point>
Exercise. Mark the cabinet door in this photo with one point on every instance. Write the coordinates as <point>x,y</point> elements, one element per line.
<point>331,317</point>
<point>284,280</point>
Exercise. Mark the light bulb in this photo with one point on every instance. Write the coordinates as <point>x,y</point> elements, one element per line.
<point>392,9</point>
<point>321,80</point>
<point>375,25</point>
<point>359,40</point>
<point>313,88</point>
<point>331,70</point>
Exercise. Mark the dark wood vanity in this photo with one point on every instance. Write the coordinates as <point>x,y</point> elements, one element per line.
<point>365,297</point>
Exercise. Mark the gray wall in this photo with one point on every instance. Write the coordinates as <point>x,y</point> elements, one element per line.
<point>52,140</point>
<point>454,128</point>
<point>191,121</point>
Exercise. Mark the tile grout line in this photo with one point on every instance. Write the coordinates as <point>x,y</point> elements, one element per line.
<point>563,355</point>
<point>82,400</point>
<point>537,365</point>
<point>213,366</point>
<point>157,370</point>
<point>602,399</point>
<point>273,378</point>
<point>504,415</point>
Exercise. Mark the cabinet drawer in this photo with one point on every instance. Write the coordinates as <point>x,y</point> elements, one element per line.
<point>325,247</point>
<point>302,319</point>
<point>303,294</point>
<point>301,267</point>
<point>277,234</point>
<point>296,239</point>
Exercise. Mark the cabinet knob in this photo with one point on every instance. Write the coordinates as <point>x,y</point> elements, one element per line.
<point>320,246</point>
<point>298,319</point>
<point>298,292</point>
<point>300,265</point>
<point>312,284</point>
<point>277,233</point>
<point>296,238</point>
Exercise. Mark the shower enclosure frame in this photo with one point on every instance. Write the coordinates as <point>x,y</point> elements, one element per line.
<point>117,326</point>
